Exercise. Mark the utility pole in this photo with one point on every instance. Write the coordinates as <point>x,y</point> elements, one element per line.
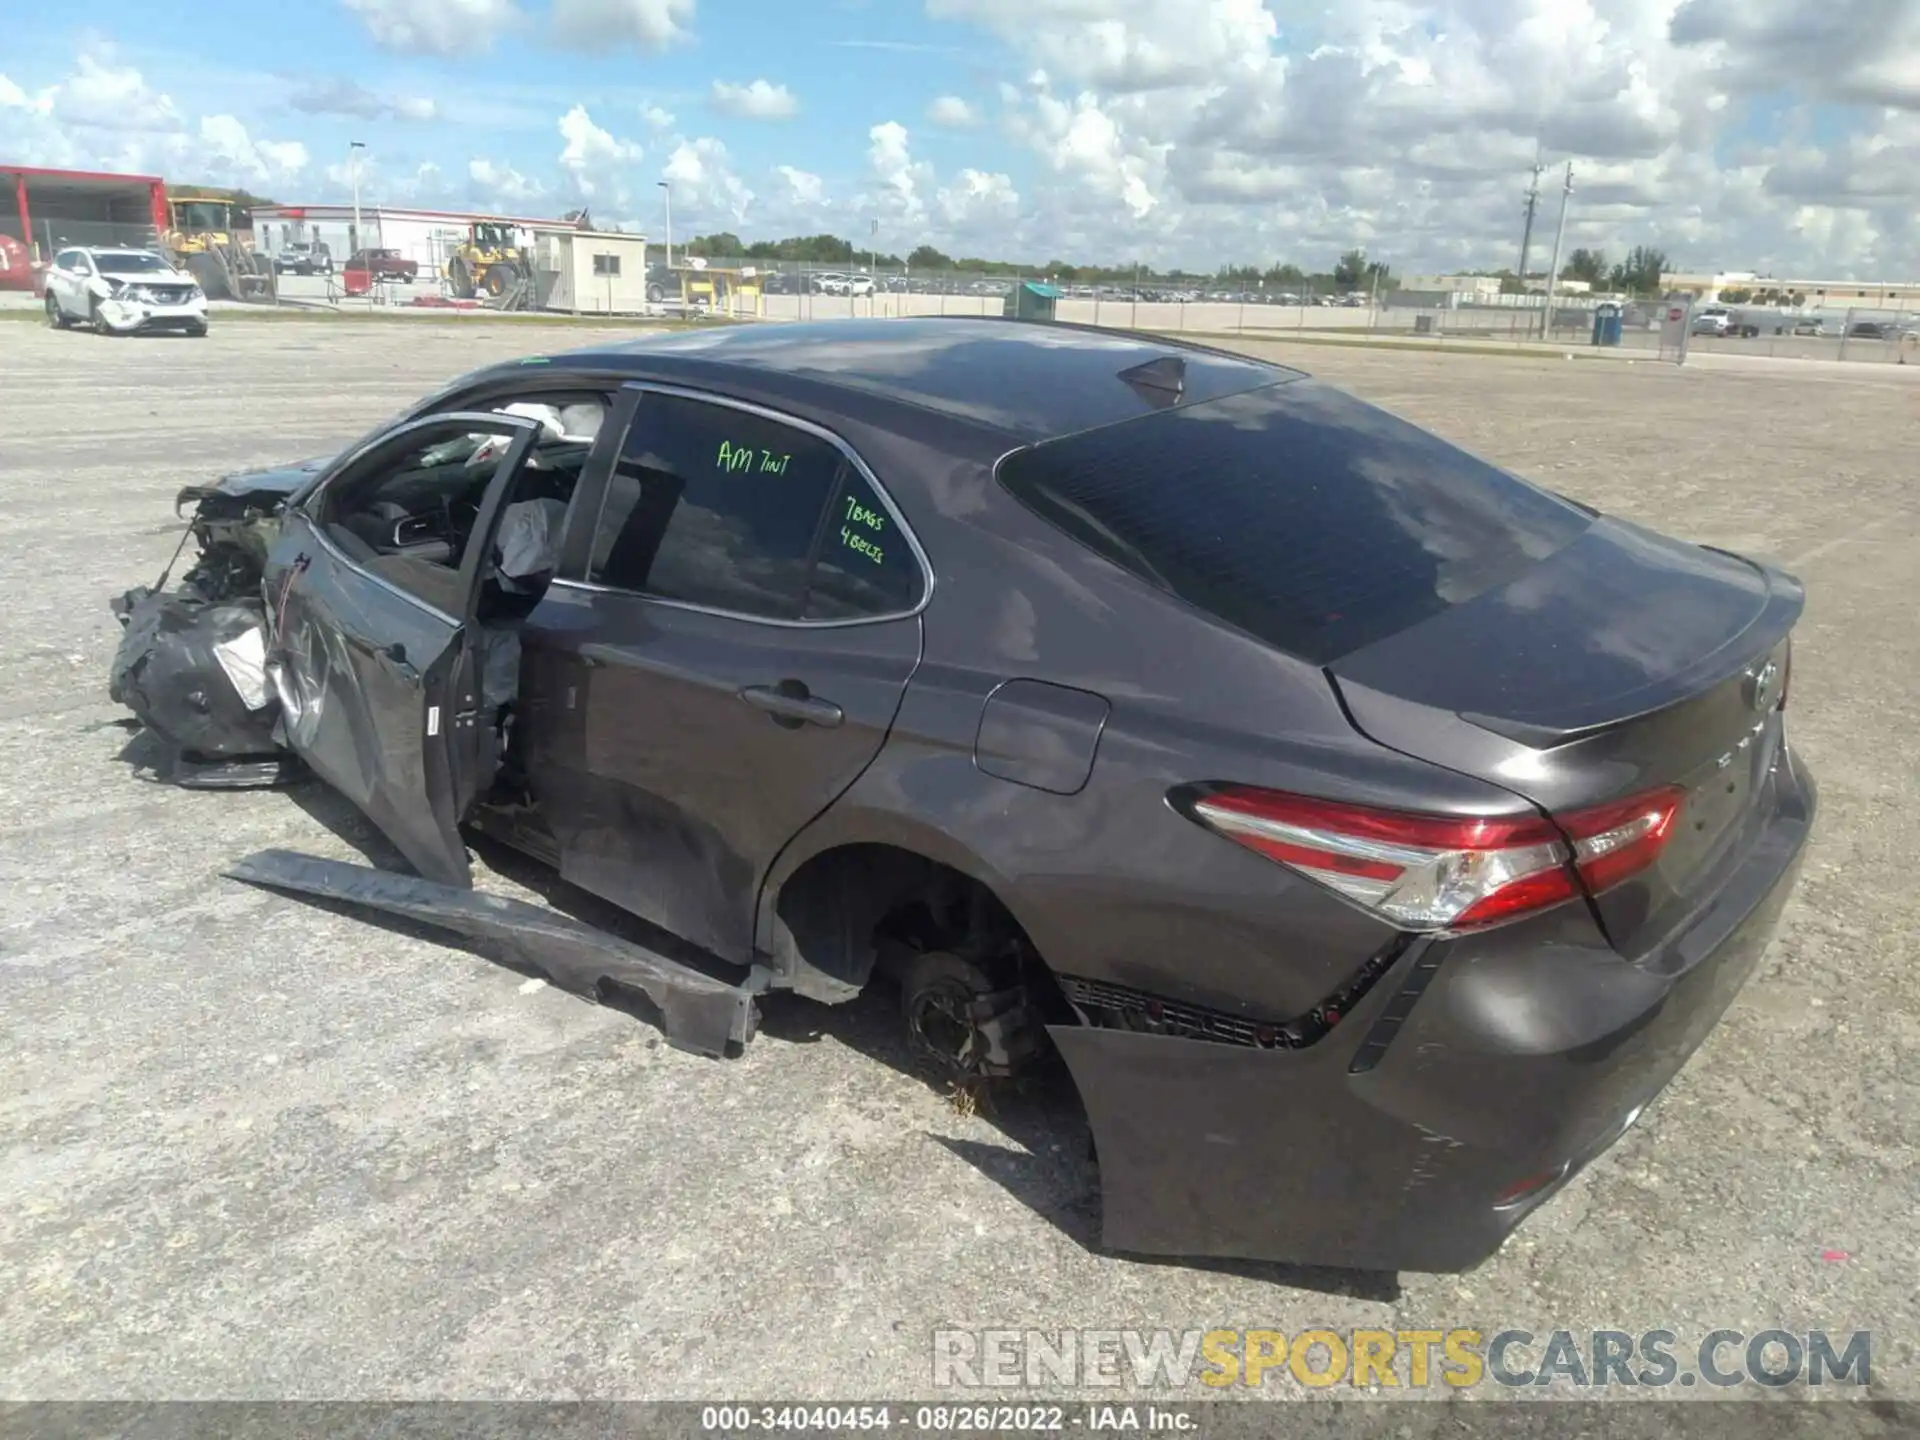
<point>354,147</point>
<point>1533,205</point>
<point>1553,270</point>
<point>667,191</point>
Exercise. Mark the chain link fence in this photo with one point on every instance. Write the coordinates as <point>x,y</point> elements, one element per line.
<point>1203,306</point>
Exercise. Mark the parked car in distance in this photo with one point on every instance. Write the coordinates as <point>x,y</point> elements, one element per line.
<point>1714,320</point>
<point>1810,325</point>
<point>1096,691</point>
<point>829,282</point>
<point>385,265</point>
<point>299,257</point>
<point>663,284</point>
<point>859,286</point>
<point>1878,330</point>
<point>118,292</point>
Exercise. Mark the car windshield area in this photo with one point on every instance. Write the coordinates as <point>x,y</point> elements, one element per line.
<point>1299,515</point>
<point>130,262</point>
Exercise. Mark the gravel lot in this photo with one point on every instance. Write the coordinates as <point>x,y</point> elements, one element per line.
<point>253,1148</point>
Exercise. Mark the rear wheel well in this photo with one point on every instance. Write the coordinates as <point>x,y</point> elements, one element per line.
<point>855,908</point>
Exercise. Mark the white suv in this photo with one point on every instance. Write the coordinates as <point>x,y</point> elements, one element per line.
<point>120,291</point>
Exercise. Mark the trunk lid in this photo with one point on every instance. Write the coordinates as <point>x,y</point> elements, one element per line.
<point>1623,662</point>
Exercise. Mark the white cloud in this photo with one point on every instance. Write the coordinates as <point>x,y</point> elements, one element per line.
<point>498,185</point>
<point>656,118</point>
<point>595,158</point>
<point>1135,45</point>
<point>803,186</point>
<point>706,188</point>
<point>1085,140</point>
<point>978,206</point>
<point>953,113</point>
<point>12,97</point>
<point>228,150</point>
<point>901,179</point>
<point>1852,51</point>
<point>436,27</point>
<point>756,100</point>
<point>641,24</point>
<point>1203,131</point>
<point>109,97</point>
<point>353,100</point>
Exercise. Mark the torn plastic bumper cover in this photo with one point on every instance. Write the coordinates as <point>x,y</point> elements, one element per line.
<point>1465,1089</point>
<point>697,1011</point>
<point>192,670</point>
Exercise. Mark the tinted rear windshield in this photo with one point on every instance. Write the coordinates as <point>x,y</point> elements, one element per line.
<point>1300,515</point>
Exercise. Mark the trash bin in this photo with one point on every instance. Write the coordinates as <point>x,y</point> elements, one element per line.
<point>1030,300</point>
<point>1606,324</point>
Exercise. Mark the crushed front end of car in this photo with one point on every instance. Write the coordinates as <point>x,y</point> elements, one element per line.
<point>191,663</point>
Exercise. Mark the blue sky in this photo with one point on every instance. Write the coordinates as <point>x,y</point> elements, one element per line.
<point>1732,133</point>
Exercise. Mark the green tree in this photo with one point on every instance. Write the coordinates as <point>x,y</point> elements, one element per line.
<point>1351,272</point>
<point>1640,272</point>
<point>1739,295</point>
<point>1587,265</point>
<point>925,257</point>
<point>723,245</point>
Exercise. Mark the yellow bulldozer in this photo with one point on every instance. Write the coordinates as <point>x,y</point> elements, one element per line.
<point>488,262</point>
<point>202,239</point>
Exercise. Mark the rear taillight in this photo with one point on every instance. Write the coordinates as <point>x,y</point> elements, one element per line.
<point>1434,872</point>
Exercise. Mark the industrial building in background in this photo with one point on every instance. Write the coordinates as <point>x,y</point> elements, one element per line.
<point>479,254</point>
<point>43,210</point>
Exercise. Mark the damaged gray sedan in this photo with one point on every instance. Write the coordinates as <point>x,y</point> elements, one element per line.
<point>1373,834</point>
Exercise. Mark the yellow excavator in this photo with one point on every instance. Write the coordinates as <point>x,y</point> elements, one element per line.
<point>202,240</point>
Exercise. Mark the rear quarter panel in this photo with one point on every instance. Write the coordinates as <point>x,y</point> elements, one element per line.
<point>1111,882</point>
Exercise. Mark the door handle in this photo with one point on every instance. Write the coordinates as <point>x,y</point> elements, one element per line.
<point>394,657</point>
<point>792,706</point>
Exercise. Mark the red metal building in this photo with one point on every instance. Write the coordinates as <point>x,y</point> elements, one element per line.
<point>42,210</point>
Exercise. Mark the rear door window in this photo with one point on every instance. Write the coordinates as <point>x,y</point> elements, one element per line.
<point>1295,513</point>
<point>715,506</point>
<point>865,566</point>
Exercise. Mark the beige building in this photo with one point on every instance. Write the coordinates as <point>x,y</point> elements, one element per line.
<point>589,272</point>
<point>1467,287</point>
<point>1844,294</point>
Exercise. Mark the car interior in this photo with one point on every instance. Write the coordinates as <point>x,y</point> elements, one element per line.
<point>410,520</point>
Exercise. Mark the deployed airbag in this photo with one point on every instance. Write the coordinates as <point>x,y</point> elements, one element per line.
<point>527,545</point>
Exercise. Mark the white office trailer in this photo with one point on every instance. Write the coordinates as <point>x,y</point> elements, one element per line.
<point>589,272</point>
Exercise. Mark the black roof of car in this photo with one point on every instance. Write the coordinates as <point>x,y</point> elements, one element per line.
<point>1026,381</point>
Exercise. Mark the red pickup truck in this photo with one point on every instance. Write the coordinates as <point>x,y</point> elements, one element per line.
<point>385,265</point>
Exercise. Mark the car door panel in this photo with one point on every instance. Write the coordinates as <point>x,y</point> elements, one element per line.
<point>380,688</point>
<point>669,786</point>
<point>682,721</point>
<point>66,285</point>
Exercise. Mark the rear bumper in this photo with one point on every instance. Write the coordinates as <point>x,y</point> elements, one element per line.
<point>1472,1070</point>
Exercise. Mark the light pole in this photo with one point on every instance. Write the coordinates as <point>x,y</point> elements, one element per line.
<point>354,147</point>
<point>667,191</point>
<point>873,267</point>
<point>1553,268</point>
